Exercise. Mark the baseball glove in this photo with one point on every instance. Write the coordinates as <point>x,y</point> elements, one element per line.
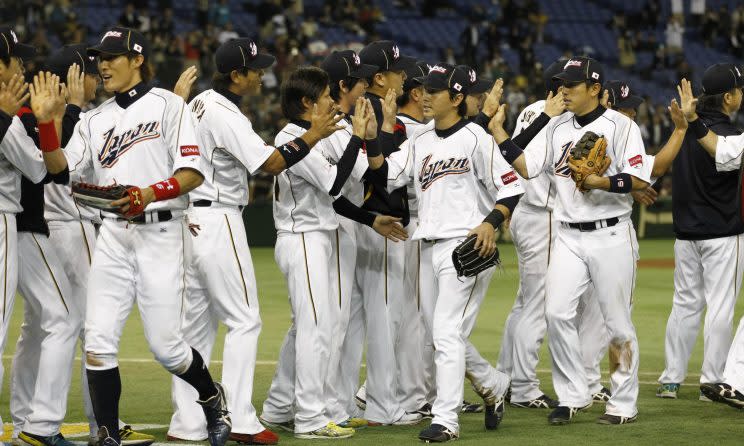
<point>101,197</point>
<point>468,261</point>
<point>588,157</point>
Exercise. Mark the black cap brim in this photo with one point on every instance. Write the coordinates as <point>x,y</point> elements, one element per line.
<point>403,63</point>
<point>24,51</point>
<point>570,76</point>
<point>480,87</point>
<point>364,71</point>
<point>262,61</point>
<point>97,50</point>
<point>632,101</point>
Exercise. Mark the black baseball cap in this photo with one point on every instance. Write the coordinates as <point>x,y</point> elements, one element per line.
<point>385,55</point>
<point>119,40</point>
<point>61,60</point>
<point>342,64</point>
<point>722,77</point>
<point>621,96</point>
<point>414,74</point>
<point>581,69</point>
<point>447,77</point>
<point>551,84</point>
<point>10,46</point>
<point>477,85</point>
<point>241,53</point>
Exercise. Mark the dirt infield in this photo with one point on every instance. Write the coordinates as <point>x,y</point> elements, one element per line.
<point>656,263</point>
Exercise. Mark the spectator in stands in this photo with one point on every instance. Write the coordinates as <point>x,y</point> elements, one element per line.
<point>626,53</point>
<point>537,18</point>
<point>649,14</point>
<point>163,25</point>
<point>709,29</point>
<point>227,34</point>
<point>202,13</point>
<point>130,17</point>
<point>469,41</point>
<point>219,14</point>
<point>697,9</point>
<point>674,33</point>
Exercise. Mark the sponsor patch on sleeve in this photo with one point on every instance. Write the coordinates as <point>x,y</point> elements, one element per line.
<point>509,177</point>
<point>189,150</point>
<point>636,161</point>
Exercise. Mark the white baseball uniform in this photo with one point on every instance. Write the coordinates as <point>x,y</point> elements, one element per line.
<point>458,174</point>
<point>533,232</point>
<point>139,138</point>
<point>604,251</point>
<point>306,233</point>
<point>18,156</point>
<point>220,280</point>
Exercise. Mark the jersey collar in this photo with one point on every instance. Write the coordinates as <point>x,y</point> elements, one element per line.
<point>232,97</point>
<point>129,97</point>
<point>452,130</point>
<point>301,123</point>
<point>590,117</point>
<point>410,117</point>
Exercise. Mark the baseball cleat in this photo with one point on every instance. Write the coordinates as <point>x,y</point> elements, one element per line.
<point>263,437</point>
<point>130,437</point>
<point>170,437</point>
<point>38,440</point>
<point>408,419</point>
<point>541,402</point>
<point>287,426</point>
<point>329,431</point>
<point>668,390</point>
<point>104,439</point>
<point>563,414</point>
<point>602,396</point>
<point>494,405</point>
<point>219,424</point>
<point>354,422</point>
<point>425,411</point>
<point>704,398</point>
<point>723,393</point>
<point>468,407</point>
<point>436,433</point>
<point>615,419</point>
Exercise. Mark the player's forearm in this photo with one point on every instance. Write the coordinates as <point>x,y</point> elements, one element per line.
<point>664,159</point>
<point>620,183</point>
<point>54,158</point>
<point>188,180</point>
<point>275,164</point>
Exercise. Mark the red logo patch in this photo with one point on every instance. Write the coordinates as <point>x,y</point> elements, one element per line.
<point>189,150</point>
<point>508,178</point>
<point>636,160</point>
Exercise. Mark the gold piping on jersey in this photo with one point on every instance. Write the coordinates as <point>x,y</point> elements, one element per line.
<point>736,267</point>
<point>5,263</point>
<point>633,259</point>
<point>550,233</point>
<point>307,273</point>
<point>54,279</point>
<point>338,266</point>
<point>183,277</point>
<point>240,267</point>
<point>418,275</point>
<point>87,246</point>
<point>386,273</point>
<point>472,290</point>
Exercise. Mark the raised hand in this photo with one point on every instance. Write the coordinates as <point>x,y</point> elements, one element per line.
<point>75,86</point>
<point>554,104</point>
<point>687,100</point>
<point>372,124</point>
<point>185,83</point>
<point>604,101</point>
<point>389,111</point>
<point>325,122</point>
<point>678,116</point>
<point>496,124</point>
<point>647,196</point>
<point>360,119</point>
<point>389,228</point>
<point>47,98</point>
<point>493,99</point>
<point>13,95</point>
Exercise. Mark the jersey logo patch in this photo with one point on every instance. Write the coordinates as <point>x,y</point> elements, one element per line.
<point>508,178</point>
<point>561,167</point>
<point>198,109</point>
<point>430,172</point>
<point>114,146</point>
<point>189,150</point>
<point>528,117</point>
<point>636,161</point>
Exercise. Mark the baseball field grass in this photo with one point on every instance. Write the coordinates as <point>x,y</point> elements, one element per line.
<point>146,386</point>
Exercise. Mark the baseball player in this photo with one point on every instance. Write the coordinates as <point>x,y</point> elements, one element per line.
<point>306,223</point>
<point>458,174</point>
<point>19,157</point>
<point>709,238</point>
<point>595,242</point>
<point>223,288</point>
<point>380,264</point>
<point>139,256</point>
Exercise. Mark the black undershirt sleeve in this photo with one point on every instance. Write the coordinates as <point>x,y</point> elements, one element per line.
<point>346,164</point>
<point>344,207</point>
<point>531,131</point>
<point>510,202</point>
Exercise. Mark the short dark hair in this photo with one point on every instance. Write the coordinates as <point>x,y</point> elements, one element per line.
<point>222,81</point>
<point>404,98</point>
<point>350,83</point>
<point>462,109</point>
<point>711,102</point>
<point>304,82</point>
<point>5,59</point>
<point>146,70</point>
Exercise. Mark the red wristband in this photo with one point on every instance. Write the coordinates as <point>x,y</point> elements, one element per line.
<point>167,189</point>
<point>48,139</point>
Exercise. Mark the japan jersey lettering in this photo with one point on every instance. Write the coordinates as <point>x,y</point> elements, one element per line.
<point>142,144</point>
<point>624,147</point>
<point>232,149</point>
<point>539,190</point>
<point>411,126</point>
<point>729,150</point>
<point>302,202</point>
<point>18,156</point>
<point>458,179</point>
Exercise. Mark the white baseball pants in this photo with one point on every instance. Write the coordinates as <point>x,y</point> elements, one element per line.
<point>8,275</point>
<point>220,286</point>
<point>605,256</point>
<point>707,273</point>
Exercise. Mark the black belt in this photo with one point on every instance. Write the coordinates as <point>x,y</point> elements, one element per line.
<point>141,218</point>
<point>206,204</point>
<point>594,225</point>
